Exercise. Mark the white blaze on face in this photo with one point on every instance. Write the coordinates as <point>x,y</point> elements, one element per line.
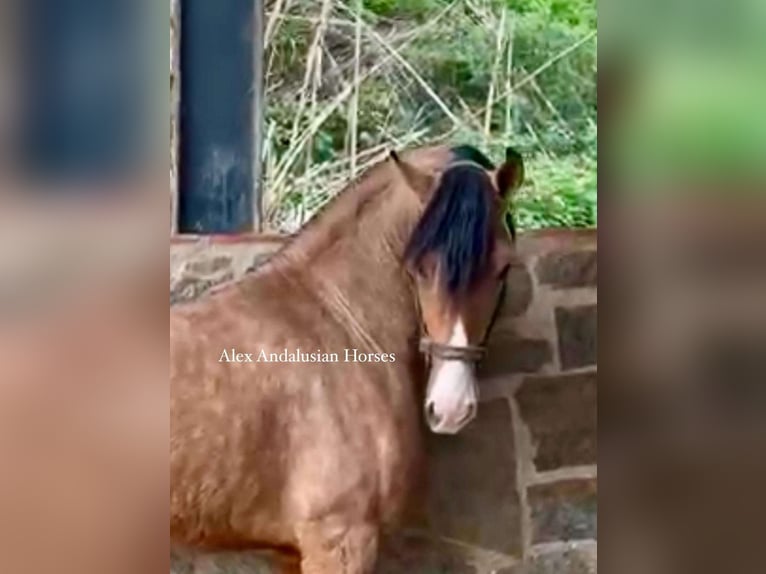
<point>451,395</point>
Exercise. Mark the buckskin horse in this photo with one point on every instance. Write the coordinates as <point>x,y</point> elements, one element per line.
<point>318,457</point>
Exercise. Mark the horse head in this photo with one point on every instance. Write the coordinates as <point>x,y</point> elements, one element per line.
<point>458,256</point>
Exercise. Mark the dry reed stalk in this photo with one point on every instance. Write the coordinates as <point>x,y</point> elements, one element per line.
<point>276,17</point>
<point>354,107</point>
<point>402,61</point>
<point>500,39</point>
<point>313,60</point>
<point>509,80</point>
<point>531,76</point>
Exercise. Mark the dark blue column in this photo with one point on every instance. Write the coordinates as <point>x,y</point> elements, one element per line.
<point>84,87</point>
<point>218,90</point>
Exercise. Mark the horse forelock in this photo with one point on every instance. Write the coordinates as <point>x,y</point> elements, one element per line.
<point>456,225</point>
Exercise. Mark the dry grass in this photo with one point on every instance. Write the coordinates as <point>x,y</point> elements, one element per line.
<point>351,49</point>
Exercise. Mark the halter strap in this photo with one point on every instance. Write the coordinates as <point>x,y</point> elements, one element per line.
<point>467,353</point>
<point>464,163</point>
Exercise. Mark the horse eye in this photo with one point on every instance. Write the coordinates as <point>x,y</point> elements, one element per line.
<point>420,271</point>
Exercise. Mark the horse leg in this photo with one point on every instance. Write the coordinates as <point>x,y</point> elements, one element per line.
<point>355,551</point>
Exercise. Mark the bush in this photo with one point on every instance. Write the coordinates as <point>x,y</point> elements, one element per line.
<point>427,76</point>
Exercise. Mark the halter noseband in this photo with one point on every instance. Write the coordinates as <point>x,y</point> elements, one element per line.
<point>467,353</point>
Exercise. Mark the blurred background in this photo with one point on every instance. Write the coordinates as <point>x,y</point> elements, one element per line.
<point>682,398</point>
<point>83,286</point>
<point>681,86</point>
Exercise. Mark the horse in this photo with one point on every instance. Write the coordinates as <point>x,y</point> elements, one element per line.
<point>279,438</point>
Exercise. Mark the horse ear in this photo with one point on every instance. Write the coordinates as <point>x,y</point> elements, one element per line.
<point>416,179</point>
<point>510,176</point>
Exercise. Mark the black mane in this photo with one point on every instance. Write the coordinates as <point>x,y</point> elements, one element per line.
<point>456,226</point>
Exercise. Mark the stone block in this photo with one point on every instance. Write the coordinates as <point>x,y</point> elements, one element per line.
<point>422,555</point>
<point>190,288</point>
<point>415,553</point>
<point>207,266</point>
<point>186,562</point>
<point>472,495</point>
<point>563,510</point>
<point>508,354</point>
<point>574,558</point>
<point>567,270</point>
<point>518,291</point>
<point>577,334</point>
<point>561,415</point>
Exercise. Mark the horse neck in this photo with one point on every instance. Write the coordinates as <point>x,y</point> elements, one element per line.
<point>351,258</point>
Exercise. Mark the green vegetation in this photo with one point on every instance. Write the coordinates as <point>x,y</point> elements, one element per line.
<point>343,90</point>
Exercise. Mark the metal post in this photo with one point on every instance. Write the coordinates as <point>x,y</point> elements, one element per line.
<point>259,108</point>
<point>219,123</point>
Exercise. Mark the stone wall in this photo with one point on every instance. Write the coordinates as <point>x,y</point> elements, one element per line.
<point>515,492</point>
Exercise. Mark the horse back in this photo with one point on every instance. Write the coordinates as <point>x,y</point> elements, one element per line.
<point>258,448</point>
